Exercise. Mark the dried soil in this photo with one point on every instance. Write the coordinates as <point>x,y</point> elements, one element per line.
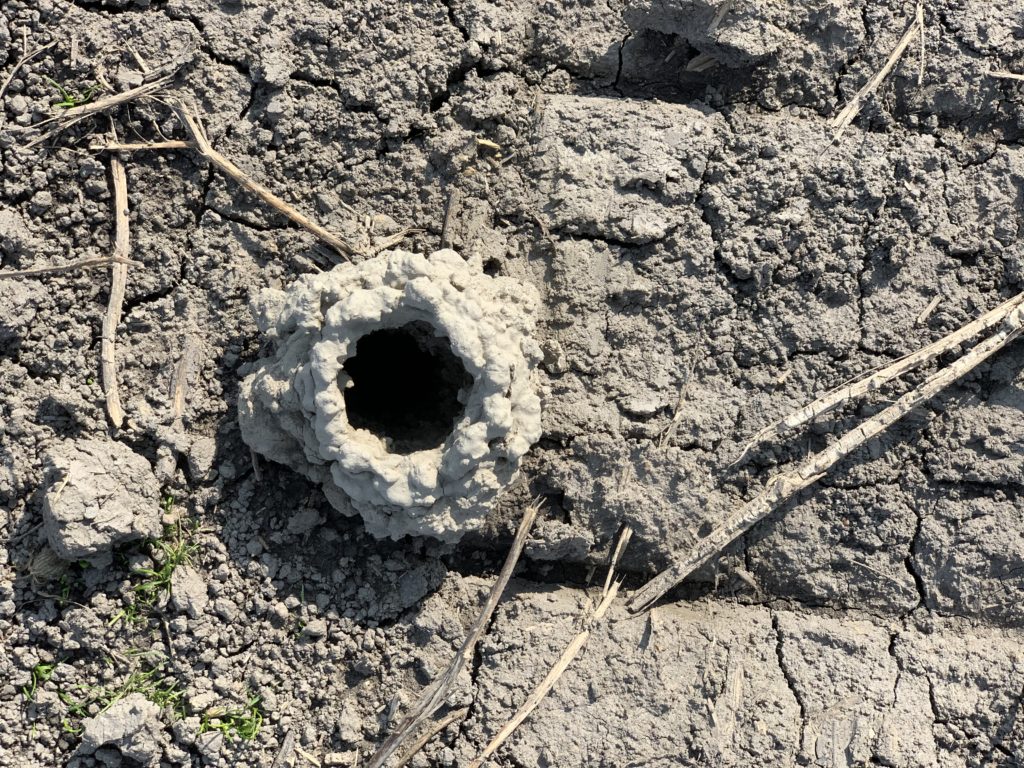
<point>707,262</point>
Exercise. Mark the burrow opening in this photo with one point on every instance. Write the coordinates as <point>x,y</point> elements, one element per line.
<point>407,386</point>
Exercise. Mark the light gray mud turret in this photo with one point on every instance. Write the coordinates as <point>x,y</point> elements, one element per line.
<point>403,385</point>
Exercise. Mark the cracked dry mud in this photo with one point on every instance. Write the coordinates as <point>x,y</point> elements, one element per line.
<point>706,262</point>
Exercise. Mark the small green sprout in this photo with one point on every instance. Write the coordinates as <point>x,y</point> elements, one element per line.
<point>172,550</point>
<point>73,98</point>
<point>40,674</point>
<point>245,722</point>
<point>151,683</point>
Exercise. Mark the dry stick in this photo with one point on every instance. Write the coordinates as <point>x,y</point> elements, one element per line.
<point>433,696</point>
<point>179,379</point>
<point>118,281</point>
<point>204,148</point>
<point>879,378</point>
<point>927,311</point>
<point>611,589</point>
<point>784,485</point>
<point>104,261</point>
<point>849,112</point>
<point>389,240</point>
<point>430,732</point>
<point>69,117</point>
<point>113,146</point>
<point>450,212</point>
<point>723,9</point>
<point>1004,75</point>
<point>25,59</point>
<point>921,26</point>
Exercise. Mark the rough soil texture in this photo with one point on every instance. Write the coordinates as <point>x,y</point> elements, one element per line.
<point>706,262</point>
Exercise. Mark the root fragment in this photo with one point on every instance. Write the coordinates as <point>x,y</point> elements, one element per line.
<point>104,261</point>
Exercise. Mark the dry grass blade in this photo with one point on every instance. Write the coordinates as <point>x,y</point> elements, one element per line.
<point>433,697</point>
<point>879,378</point>
<point>608,594</point>
<point>784,485</point>
<point>849,112</point>
<point>202,145</point>
<point>118,282</point>
<point>104,261</point>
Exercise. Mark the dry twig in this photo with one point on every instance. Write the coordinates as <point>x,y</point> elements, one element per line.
<point>26,57</point>
<point>68,117</point>
<point>104,261</point>
<point>202,145</point>
<point>1003,75</point>
<point>850,111</point>
<point>784,485</point>
<point>720,14</point>
<point>433,697</point>
<point>118,282</point>
<point>611,589</point>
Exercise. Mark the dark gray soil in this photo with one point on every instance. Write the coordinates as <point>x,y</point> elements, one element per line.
<point>708,262</point>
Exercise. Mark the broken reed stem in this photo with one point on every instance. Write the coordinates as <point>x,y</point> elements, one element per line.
<point>201,144</point>
<point>118,282</point>
<point>433,697</point>
<point>784,485</point>
<point>850,111</point>
<point>611,589</point>
<point>430,732</point>
<point>104,261</point>
<point>879,378</point>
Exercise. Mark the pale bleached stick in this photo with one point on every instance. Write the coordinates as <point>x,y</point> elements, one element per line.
<point>202,145</point>
<point>849,112</point>
<point>1004,75</point>
<point>433,697</point>
<point>784,485</point>
<point>611,589</point>
<point>920,26</point>
<point>879,378</point>
<point>118,281</point>
<point>114,146</point>
<point>103,261</point>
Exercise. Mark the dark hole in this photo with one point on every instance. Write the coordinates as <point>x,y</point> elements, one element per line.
<point>405,386</point>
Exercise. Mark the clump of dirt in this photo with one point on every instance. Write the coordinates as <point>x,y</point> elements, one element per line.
<point>707,260</point>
